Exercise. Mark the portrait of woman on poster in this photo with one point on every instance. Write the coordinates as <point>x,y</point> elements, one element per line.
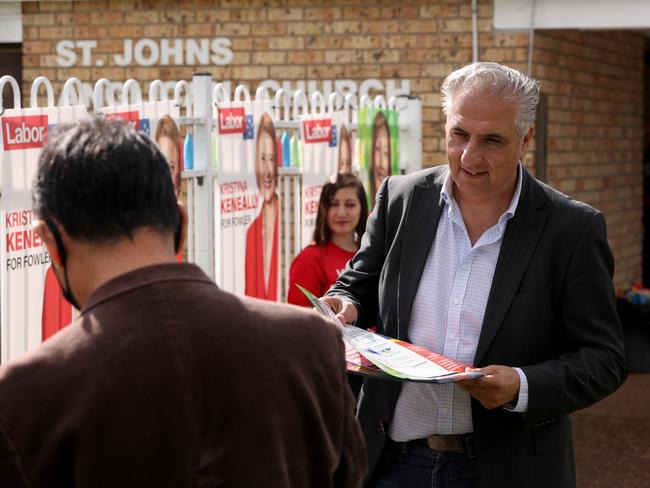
<point>340,223</point>
<point>262,234</point>
<point>169,141</point>
<point>345,151</point>
<point>168,138</point>
<point>379,154</point>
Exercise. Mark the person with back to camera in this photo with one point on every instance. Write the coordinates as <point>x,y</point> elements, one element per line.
<point>164,380</point>
<point>340,223</point>
<point>482,263</point>
<point>262,234</point>
<point>379,154</point>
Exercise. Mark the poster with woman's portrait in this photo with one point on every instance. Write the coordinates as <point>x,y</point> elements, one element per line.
<point>320,139</point>
<point>159,121</point>
<point>31,302</point>
<point>247,231</point>
<point>378,147</point>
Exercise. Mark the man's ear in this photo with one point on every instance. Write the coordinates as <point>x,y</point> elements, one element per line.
<point>44,232</point>
<point>181,237</point>
<point>525,142</point>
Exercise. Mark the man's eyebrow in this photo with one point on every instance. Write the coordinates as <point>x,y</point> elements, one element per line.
<point>496,136</point>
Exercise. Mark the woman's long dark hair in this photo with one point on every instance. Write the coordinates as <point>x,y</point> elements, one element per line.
<point>322,233</point>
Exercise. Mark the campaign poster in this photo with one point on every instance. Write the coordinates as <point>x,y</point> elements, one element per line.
<point>378,148</point>
<point>26,310</point>
<point>247,230</point>
<point>320,161</point>
<point>347,161</point>
<point>159,121</point>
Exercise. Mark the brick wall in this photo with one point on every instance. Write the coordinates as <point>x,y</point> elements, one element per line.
<point>595,85</point>
<point>594,80</point>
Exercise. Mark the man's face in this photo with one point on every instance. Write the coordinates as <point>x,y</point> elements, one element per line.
<point>483,146</point>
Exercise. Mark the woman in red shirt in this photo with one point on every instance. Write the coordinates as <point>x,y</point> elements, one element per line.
<point>341,221</point>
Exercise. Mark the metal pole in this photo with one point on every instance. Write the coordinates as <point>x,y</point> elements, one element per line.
<point>204,190</point>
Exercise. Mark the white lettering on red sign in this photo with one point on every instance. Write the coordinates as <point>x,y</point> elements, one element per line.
<point>317,130</point>
<point>231,120</point>
<point>25,132</point>
<point>132,117</point>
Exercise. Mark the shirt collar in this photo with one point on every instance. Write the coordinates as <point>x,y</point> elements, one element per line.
<point>447,197</point>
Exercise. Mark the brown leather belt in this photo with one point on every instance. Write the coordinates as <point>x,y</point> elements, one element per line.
<point>454,444</point>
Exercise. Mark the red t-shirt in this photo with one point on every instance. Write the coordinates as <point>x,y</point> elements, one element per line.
<point>316,268</point>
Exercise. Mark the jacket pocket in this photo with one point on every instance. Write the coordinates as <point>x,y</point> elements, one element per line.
<point>551,434</point>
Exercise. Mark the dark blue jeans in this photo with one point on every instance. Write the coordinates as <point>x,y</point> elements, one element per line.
<point>414,465</point>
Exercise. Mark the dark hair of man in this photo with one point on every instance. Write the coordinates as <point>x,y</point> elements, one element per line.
<point>101,180</point>
<point>322,233</point>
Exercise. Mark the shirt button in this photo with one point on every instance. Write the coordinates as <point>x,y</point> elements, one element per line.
<point>465,266</point>
<point>456,302</point>
<point>452,337</point>
<point>444,410</point>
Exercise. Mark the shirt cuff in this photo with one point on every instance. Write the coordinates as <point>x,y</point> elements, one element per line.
<point>522,400</point>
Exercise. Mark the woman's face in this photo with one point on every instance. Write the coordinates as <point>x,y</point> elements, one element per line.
<point>344,212</point>
<point>345,158</point>
<point>265,166</point>
<point>170,151</point>
<point>381,156</point>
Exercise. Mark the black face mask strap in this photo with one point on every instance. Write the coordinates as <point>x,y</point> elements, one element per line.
<point>67,292</point>
<point>177,236</point>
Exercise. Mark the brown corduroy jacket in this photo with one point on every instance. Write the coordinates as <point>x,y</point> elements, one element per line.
<point>165,380</point>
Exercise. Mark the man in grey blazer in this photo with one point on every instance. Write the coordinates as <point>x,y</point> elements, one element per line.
<point>480,262</point>
<point>164,379</point>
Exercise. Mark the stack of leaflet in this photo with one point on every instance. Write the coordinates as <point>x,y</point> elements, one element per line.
<point>381,357</point>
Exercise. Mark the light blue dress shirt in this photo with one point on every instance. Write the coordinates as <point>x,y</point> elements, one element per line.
<point>447,317</point>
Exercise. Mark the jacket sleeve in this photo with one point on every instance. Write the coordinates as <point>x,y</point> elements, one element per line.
<point>594,364</point>
<point>359,281</point>
<point>354,459</point>
<point>11,470</point>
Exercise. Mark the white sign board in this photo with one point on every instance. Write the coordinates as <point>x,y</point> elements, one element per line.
<point>24,257</point>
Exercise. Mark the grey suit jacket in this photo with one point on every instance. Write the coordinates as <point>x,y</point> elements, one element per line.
<point>165,380</point>
<point>551,311</point>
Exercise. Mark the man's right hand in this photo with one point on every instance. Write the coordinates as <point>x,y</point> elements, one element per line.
<point>345,311</point>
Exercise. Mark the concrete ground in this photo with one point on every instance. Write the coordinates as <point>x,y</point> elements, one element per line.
<point>612,438</point>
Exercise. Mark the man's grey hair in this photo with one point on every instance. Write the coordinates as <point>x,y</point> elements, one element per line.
<point>499,81</point>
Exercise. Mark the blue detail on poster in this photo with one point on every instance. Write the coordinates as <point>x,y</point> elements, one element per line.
<point>333,137</point>
<point>249,130</point>
<point>145,126</point>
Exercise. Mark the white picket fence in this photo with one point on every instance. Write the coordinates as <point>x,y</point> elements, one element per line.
<point>196,99</point>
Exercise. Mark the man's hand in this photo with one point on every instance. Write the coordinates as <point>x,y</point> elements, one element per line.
<point>344,310</point>
<point>499,386</point>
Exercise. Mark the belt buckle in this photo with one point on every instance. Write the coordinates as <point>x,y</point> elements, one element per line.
<point>445,443</point>
<point>457,444</point>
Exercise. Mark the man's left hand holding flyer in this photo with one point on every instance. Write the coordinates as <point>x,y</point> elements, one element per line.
<point>388,358</point>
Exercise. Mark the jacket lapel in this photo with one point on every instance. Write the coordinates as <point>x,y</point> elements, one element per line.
<point>519,242</point>
<point>420,225</point>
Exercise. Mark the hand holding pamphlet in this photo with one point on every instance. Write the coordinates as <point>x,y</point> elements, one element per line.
<point>377,356</point>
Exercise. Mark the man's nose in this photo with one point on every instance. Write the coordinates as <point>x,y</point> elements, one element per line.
<point>471,152</point>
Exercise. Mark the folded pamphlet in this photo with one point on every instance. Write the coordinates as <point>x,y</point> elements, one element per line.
<point>378,356</point>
